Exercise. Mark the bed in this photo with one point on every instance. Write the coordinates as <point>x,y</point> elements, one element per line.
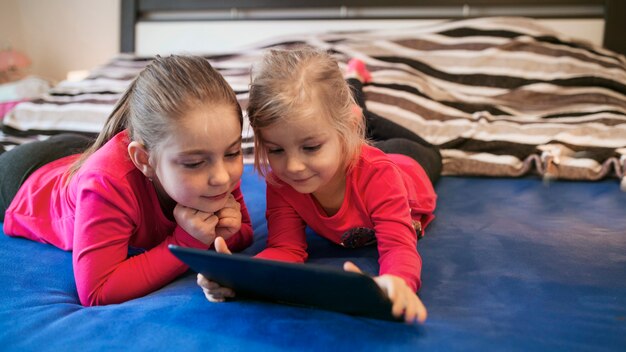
<point>528,249</point>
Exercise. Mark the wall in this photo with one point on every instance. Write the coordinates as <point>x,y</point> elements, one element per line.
<point>68,35</point>
<point>10,33</point>
<point>210,37</point>
<point>61,35</point>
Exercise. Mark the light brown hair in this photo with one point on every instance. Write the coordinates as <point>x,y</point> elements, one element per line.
<point>162,93</point>
<point>300,83</point>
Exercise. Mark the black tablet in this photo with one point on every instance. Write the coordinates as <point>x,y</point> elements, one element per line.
<point>307,285</point>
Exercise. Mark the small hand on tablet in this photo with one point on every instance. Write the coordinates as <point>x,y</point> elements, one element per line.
<point>212,290</point>
<point>404,301</point>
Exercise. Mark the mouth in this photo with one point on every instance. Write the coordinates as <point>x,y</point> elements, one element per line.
<point>217,197</point>
<point>301,180</point>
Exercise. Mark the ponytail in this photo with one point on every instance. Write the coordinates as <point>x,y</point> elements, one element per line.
<point>115,123</point>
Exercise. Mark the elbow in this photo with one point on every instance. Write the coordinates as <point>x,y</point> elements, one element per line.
<point>93,298</point>
<point>88,301</point>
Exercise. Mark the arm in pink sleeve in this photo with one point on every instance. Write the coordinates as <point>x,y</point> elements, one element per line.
<point>105,220</point>
<point>396,238</point>
<point>286,240</point>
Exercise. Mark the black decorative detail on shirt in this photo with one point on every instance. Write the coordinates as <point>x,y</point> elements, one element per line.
<point>358,237</point>
<point>133,251</point>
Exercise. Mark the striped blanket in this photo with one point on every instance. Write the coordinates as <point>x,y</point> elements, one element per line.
<point>500,96</point>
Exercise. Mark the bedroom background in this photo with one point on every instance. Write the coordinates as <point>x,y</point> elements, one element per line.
<point>53,31</point>
<point>513,262</point>
<point>61,36</point>
<point>65,36</point>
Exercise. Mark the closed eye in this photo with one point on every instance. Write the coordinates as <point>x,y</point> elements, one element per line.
<point>192,165</point>
<point>312,148</point>
<point>233,155</point>
<point>274,150</point>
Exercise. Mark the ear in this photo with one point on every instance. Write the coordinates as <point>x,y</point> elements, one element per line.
<point>141,158</point>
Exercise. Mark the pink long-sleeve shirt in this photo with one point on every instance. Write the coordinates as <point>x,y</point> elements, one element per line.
<point>384,193</point>
<point>107,207</point>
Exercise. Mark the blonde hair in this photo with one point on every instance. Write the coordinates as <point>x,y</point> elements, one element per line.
<point>162,93</point>
<point>300,83</point>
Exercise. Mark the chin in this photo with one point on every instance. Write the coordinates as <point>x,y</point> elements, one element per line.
<point>212,207</point>
<point>304,190</point>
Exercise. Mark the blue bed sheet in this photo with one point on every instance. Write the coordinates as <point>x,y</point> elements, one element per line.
<point>509,264</point>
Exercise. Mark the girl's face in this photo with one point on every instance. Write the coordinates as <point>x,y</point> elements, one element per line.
<point>306,154</point>
<point>201,162</point>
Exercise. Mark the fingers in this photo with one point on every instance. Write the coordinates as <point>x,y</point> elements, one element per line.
<point>410,307</point>
<point>186,213</point>
<point>202,281</point>
<point>229,218</point>
<point>231,215</point>
<point>231,204</point>
<point>220,246</point>
<point>232,212</point>
<point>421,312</point>
<point>228,226</point>
<point>350,266</point>
<point>395,295</point>
<point>213,291</point>
<point>212,299</point>
<point>200,225</point>
<point>405,302</point>
<point>207,284</point>
<point>414,310</point>
<point>218,294</point>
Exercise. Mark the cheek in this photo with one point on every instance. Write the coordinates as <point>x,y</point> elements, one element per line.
<point>181,190</point>
<point>272,161</point>
<point>175,184</point>
<point>277,164</point>
<point>237,172</point>
<point>329,163</point>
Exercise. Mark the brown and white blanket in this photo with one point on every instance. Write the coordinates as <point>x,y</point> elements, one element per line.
<point>500,96</point>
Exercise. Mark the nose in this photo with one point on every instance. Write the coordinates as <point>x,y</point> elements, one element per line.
<point>294,164</point>
<point>219,175</point>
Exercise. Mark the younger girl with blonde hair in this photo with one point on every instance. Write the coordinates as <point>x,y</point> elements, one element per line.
<point>164,170</point>
<point>321,171</point>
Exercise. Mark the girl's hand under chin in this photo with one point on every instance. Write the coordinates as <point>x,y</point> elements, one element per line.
<point>229,216</point>
<point>200,225</point>
<point>404,301</point>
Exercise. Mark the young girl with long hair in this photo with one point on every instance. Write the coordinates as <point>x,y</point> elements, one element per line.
<point>321,171</point>
<point>164,170</point>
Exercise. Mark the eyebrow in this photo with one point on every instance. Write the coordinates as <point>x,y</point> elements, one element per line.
<point>201,151</point>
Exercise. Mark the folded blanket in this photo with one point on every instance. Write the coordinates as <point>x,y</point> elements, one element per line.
<point>501,96</point>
